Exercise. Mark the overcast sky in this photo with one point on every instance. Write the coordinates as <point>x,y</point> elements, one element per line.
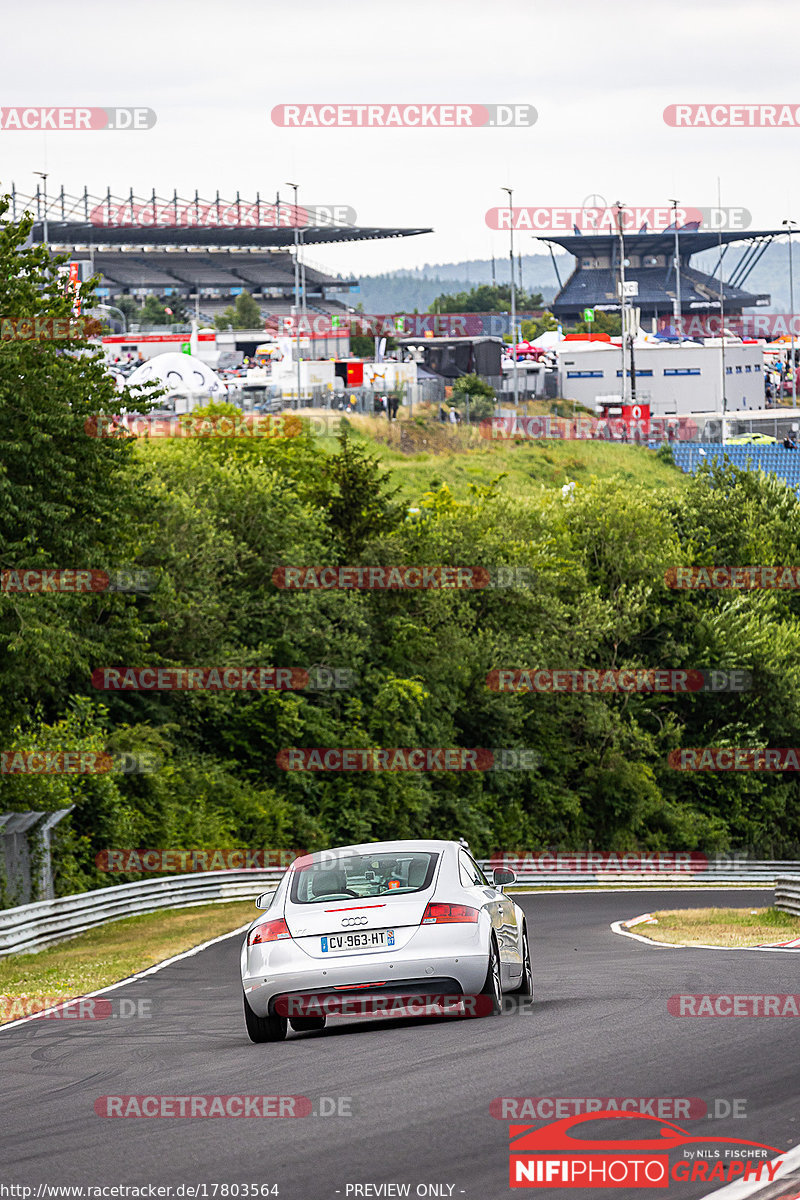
<point>599,76</point>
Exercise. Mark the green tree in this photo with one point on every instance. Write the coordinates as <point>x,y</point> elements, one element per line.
<point>603,323</point>
<point>481,396</point>
<point>534,329</point>
<point>226,319</point>
<point>154,311</point>
<point>128,306</point>
<point>362,345</point>
<point>67,495</point>
<point>248,313</point>
<point>244,314</point>
<point>356,496</point>
<point>486,298</point>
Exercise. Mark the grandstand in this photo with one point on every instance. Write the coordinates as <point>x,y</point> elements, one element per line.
<point>206,250</point>
<point>649,262</point>
<point>771,459</point>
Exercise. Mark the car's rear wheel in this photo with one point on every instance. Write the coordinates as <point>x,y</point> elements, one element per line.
<point>307,1024</point>
<point>264,1029</point>
<point>491,985</point>
<point>525,988</point>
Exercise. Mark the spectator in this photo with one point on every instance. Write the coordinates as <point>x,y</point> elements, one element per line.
<point>453,416</point>
<point>394,404</point>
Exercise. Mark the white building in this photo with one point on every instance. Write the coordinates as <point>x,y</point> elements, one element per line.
<point>673,378</point>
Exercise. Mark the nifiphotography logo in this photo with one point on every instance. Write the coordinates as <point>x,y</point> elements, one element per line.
<point>552,1156</point>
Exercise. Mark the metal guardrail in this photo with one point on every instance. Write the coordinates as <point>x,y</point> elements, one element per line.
<point>34,926</point>
<point>718,871</point>
<point>787,894</point>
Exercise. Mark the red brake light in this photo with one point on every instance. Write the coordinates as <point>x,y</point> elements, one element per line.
<point>449,914</point>
<point>269,931</point>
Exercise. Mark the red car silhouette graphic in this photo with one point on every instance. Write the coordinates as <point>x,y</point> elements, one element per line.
<point>556,1136</point>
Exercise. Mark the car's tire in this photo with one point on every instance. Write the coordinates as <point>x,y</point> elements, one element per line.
<point>307,1024</point>
<point>525,989</point>
<point>264,1029</point>
<point>492,986</point>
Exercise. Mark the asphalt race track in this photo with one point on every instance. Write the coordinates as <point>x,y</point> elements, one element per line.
<point>421,1089</point>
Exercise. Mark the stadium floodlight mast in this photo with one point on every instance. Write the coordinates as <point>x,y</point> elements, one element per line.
<point>513,293</point>
<point>296,287</point>
<point>620,208</point>
<point>789,223</point>
<point>43,176</point>
<point>677,305</point>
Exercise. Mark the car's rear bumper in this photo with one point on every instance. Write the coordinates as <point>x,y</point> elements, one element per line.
<point>385,974</point>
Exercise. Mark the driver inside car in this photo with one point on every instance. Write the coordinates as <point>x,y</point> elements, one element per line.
<point>393,876</point>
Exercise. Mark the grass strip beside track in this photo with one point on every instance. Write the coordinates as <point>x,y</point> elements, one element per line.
<point>730,927</point>
<point>114,951</point>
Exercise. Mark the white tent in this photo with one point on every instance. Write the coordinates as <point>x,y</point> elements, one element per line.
<point>180,374</point>
<point>548,340</point>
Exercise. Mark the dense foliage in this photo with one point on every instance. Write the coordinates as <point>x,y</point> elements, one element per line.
<point>213,518</point>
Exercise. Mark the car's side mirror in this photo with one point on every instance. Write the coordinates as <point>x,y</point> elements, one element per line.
<point>502,876</point>
<point>265,899</point>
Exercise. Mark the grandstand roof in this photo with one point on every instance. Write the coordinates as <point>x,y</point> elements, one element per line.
<point>690,241</point>
<point>83,233</point>
<point>596,286</point>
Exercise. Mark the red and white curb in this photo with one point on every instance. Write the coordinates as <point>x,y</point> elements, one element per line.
<point>624,929</point>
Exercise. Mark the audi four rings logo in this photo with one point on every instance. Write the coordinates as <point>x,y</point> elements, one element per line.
<point>354,921</point>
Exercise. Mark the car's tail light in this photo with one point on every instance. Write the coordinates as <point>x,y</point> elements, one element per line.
<point>449,914</point>
<point>269,931</point>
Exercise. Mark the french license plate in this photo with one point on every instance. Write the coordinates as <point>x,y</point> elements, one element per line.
<point>366,939</point>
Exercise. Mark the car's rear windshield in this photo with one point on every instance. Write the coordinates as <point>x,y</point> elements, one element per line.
<point>382,874</point>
